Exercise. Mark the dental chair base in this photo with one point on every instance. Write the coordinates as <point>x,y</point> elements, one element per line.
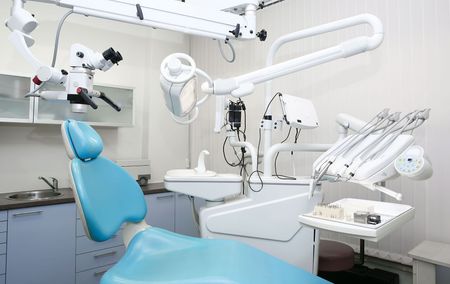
<point>268,220</point>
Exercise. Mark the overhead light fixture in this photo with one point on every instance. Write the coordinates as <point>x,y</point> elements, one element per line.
<point>178,82</point>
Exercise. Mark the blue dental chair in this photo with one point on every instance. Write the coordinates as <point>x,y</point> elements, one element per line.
<point>107,197</point>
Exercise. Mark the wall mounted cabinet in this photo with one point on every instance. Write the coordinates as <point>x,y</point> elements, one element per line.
<point>14,107</point>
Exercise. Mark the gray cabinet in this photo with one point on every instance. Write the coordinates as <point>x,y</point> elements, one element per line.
<point>93,259</point>
<point>173,212</point>
<point>3,239</point>
<point>161,210</point>
<point>184,217</point>
<point>41,245</point>
<point>47,244</point>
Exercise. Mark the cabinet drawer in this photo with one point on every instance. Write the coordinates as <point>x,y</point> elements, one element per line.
<point>3,215</point>
<point>92,276</point>
<point>84,244</point>
<point>3,248</point>
<point>3,264</point>
<point>3,237</point>
<point>3,226</point>
<point>3,279</point>
<point>99,258</point>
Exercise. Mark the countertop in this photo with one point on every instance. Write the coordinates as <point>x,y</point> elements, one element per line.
<point>66,197</point>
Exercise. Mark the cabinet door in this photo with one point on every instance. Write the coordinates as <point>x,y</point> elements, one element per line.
<point>41,245</point>
<point>184,218</point>
<point>161,210</point>
<point>14,107</point>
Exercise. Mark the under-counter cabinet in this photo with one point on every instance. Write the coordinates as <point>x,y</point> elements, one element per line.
<point>173,212</point>
<point>185,223</point>
<point>93,259</point>
<point>3,238</point>
<point>161,210</point>
<point>41,245</point>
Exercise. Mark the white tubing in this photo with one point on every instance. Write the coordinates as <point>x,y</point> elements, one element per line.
<point>235,143</point>
<point>286,147</point>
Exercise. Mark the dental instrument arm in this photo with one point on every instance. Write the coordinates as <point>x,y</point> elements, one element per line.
<point>213,18</point>
<point>244,84</point>
<point>375,157</point>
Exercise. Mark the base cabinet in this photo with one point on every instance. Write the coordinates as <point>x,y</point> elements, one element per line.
<point>185,223</point>
<point>47,244</point>
<point>41,245</point>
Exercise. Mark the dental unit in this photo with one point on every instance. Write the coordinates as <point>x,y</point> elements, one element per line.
<point>376,153</point>
<point>241,210</point>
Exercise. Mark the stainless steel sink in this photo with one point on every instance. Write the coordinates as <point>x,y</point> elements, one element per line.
<point>34,195</point>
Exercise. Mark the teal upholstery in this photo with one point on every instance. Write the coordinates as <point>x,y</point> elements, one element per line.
<point>85,141</point>
<point>108,197</point>
<point>107,194</point>
<point>159,256</point>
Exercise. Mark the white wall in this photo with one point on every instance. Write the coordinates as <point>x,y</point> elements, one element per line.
<point>28,151</point>
<point>408,71</point>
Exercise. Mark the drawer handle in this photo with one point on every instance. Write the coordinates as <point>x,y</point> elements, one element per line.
<point>28,213</point>
<point>164,197</point>
<point>105,254</point>
<point>100,273</point>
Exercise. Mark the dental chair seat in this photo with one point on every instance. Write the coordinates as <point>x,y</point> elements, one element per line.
<point>159,256</point>
<point>107,196</point>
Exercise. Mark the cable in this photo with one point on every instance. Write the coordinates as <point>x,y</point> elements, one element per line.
<point>33,93</point>
<point>233,52</point>
<point>276,159</point>
<point>257,171</point>
<point>58,33</point>
<point>225,156</point>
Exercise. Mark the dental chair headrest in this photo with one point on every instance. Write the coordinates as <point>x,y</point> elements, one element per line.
<point>81,140</point>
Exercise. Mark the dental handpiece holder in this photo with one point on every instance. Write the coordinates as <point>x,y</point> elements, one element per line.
<point>203,183</point>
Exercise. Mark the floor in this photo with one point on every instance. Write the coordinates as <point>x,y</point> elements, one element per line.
<point>404,272</point>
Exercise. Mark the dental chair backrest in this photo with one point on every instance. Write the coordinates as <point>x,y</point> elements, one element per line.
<point>105,194</point>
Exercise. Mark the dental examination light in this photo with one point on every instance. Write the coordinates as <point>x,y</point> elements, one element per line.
<point>244,84</point>
<point>178,82</point>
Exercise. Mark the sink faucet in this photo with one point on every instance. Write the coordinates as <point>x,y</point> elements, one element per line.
<point>53,185</point>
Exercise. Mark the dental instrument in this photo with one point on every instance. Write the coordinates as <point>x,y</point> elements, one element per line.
<point>369,156</point>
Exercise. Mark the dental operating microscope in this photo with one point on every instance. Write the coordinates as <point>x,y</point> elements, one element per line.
<point>223,21</point>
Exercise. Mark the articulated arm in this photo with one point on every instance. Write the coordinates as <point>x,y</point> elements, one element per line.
<point>212,18</point>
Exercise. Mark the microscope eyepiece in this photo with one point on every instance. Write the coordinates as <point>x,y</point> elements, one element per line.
<point>112,55</point>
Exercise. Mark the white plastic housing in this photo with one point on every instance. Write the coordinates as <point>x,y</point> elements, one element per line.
<point>300,113</point>
<point>208,185</point>
<point>413,164</point>
<point>180,98</point>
